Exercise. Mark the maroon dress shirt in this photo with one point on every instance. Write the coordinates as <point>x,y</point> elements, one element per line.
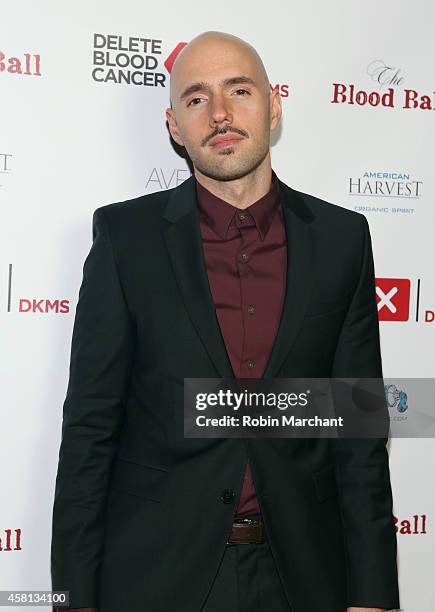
<point>246,255</point>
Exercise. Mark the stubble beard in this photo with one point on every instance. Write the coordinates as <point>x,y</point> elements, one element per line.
<point>228,164</point>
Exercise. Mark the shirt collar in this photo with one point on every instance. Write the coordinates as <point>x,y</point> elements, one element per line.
<point>219,214</point>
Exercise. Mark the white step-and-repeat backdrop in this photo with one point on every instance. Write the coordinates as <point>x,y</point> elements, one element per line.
<point>83,90</point>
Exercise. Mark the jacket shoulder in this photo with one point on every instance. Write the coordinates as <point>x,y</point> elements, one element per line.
<point>133,210</point>
<point>326,211</point>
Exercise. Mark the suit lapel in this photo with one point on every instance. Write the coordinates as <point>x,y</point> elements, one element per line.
<point>183,240</point>
<point>184,244</point>
<point>299,277</point>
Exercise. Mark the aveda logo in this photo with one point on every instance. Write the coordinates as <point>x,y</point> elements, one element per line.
<point>161,178</point>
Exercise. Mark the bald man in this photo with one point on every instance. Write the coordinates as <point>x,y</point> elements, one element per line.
<point>231,274</point>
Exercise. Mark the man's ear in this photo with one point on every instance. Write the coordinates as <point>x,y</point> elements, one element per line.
<point>173,128</point>
<point>275,108</point>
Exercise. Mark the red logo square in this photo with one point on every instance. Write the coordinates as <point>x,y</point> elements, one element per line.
<point>392,297</point>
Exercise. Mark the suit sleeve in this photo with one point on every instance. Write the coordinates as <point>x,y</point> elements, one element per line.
<point>362,465</point>
<point>100,362</point>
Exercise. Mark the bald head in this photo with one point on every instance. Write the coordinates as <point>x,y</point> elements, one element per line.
<point>213,49</point>
<point>222,106</point>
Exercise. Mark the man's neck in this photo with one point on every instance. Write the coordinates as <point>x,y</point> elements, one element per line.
<point>241,192</point>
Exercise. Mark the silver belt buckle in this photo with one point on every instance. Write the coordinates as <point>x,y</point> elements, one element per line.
<point>247,521</point>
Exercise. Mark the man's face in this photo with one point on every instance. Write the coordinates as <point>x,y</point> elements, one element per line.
<point>223,110</point>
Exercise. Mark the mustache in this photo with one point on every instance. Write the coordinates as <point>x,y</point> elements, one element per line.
<point>223,131</point>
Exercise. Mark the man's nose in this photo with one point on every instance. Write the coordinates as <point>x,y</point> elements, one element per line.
<point>219,110</point>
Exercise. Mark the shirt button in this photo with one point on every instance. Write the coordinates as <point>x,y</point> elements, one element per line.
<point>244,257</point>
<point>242,216</point>
<point>251,309</point>
<point>227,496</point>
<point>250,364</point>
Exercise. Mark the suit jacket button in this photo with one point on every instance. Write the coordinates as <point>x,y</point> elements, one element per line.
<point>227,496</point>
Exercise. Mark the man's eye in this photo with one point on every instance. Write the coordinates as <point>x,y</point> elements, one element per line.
<point>194,101</point>
<point>244,91</point>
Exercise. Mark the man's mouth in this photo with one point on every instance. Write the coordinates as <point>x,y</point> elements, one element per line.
<point>225,140</point>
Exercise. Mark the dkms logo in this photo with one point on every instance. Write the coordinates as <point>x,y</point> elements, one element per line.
<point>393,297</point>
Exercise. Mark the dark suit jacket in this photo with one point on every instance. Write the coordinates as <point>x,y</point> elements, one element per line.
<point>138,519</point>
